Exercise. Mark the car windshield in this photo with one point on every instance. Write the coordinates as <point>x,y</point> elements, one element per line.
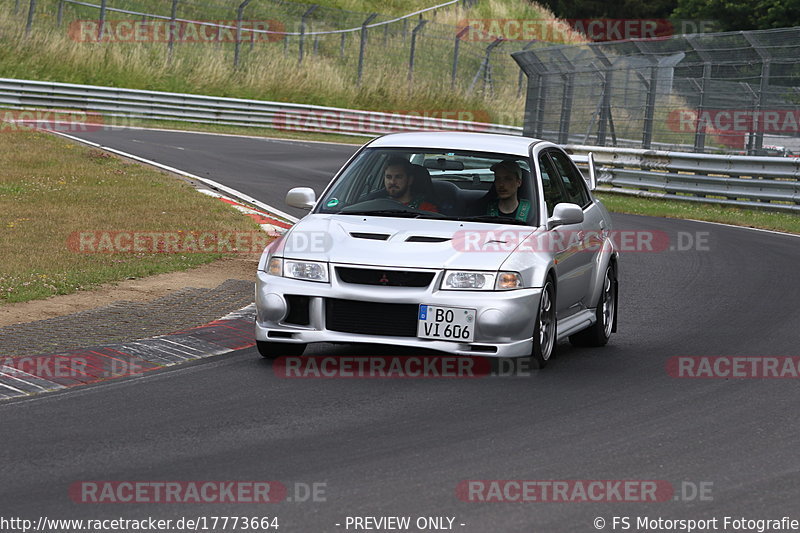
<point>435,183</point>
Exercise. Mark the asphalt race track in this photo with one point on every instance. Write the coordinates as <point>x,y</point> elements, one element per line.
<point>400,447</point>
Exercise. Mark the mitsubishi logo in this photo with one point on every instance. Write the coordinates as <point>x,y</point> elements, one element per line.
<point>384,280</point>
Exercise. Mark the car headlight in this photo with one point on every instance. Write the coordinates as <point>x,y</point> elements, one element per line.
<point>457,280</point>
<point>306,270</point>
<point>468,281</point>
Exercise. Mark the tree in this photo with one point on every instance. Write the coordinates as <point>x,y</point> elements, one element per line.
<point>626,9</point>
<point>734,15</point>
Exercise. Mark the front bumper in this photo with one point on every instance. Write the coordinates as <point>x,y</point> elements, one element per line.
<point>503,324</point>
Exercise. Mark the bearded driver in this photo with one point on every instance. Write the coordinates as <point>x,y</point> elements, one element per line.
<point>398,178</point>
<point>507,181</point>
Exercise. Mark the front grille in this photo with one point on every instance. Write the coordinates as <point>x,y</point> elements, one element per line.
<point>298,310</point>
<point>371,318</point>
<point>385,278</point>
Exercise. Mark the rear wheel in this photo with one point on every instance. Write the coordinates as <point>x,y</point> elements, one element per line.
<point>606,314</point>
<point>544,329</point>
<point>272,350</point>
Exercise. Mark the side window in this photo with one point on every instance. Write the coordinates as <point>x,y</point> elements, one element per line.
<point>553,192</point>
<point>570,178</point>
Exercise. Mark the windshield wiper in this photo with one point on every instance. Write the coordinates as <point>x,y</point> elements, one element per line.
<point>385,213</point>
<point>493,218</point>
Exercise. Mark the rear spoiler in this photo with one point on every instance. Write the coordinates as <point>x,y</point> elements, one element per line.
<point>587,160</point>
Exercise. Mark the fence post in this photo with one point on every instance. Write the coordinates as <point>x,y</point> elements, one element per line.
<point>413,47</point>
<point>363,46</point>
<point>303,30</point>
<point>341,46</point>
<point>536,95</point>
<point>455,57</point>
<point>649,109</point>
<point>700,126</point>
<point>60,15</point>
<point>102,25</point>
<point>237,45</point>
<point>604,118</point>
<point>172,27</point>
<point>485,65</point>
<point>521,72</point>
<point>31,11</point>
<point>762,91</point>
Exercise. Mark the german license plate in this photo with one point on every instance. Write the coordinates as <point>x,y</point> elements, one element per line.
<point>446,323</point>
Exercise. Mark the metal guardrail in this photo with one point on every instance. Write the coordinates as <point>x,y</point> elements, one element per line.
<point>764,182</point>
<point>151,105</point>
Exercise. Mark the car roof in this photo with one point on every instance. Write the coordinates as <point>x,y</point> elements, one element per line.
<point>458,140</point>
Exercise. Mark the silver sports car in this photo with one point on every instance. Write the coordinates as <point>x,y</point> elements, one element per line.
<point>465,243</point>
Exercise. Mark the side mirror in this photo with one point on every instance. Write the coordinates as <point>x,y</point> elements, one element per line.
<point>301,197</point>
<point>565,214</point>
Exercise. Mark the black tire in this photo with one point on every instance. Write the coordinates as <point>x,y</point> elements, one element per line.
<point>544,327</point>
<point>606,314</point>
<point>273,350</point>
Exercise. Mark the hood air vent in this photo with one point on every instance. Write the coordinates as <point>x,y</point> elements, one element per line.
<point>371,236</point>
<point>424,238</point>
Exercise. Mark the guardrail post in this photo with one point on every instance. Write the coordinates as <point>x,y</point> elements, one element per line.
<point>362,49</point>
<point>31,11</point>
<point>172,27</point>
<point>414,33</point>
<point>303,30</point>
<point>238,44</point>
<point>454,73</point>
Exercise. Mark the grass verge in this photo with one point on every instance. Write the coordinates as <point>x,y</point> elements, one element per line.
<point>653,207</point>
<point>52,189</point>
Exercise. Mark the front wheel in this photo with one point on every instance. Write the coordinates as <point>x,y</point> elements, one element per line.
<point>606,315</point>
<point>273,350</point>
<point>544,330</point>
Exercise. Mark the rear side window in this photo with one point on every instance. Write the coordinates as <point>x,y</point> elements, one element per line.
<point>571,179</point>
